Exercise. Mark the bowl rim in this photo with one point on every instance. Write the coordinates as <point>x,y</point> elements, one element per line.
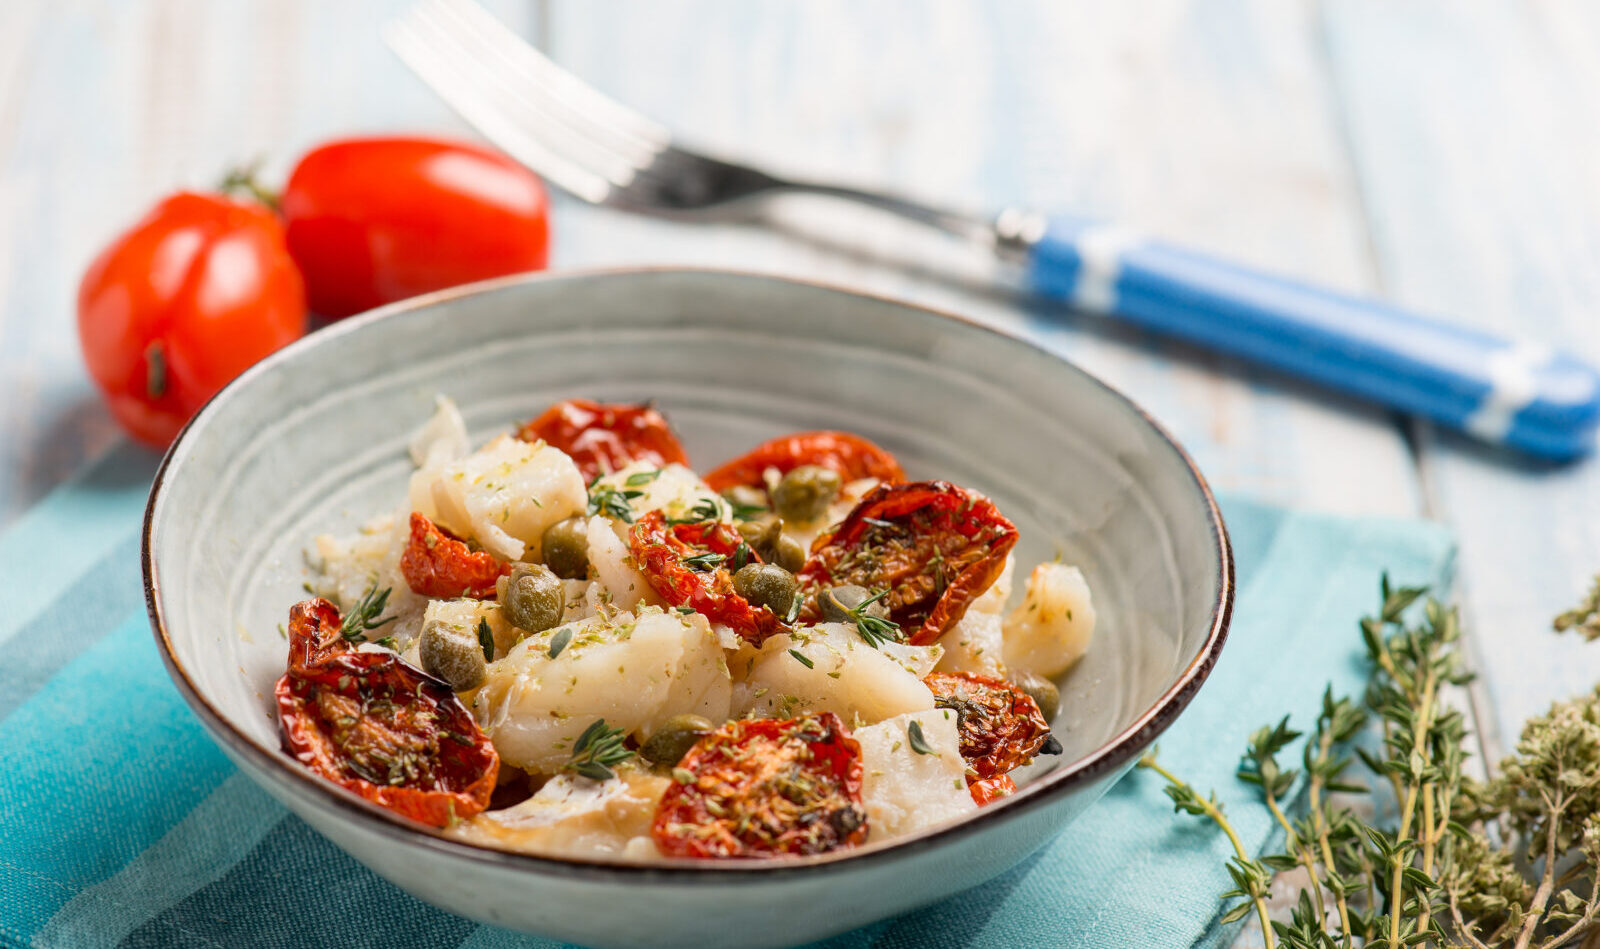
<point>1105,759</point>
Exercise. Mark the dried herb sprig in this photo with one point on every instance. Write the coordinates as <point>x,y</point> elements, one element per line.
<point>363,617</point>
<point>612,502</point>
<point>596,750</point>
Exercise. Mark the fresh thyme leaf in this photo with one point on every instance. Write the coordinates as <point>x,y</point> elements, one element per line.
<point>559,641</point>
<point>485,639</point>
<point>387,642</point>
<point>640,478</point>
<point>800,657</point>
<point>706,509</point>
<point>919,743</point>
<point>686,610</point>
<point>794,609</point>
<point>363,617</point>
<point>611,502</point>
<point>596,750</point>
<point>747,512</point>
<point>741,557</point>
<point>704,562</point>
<point>874,630</point>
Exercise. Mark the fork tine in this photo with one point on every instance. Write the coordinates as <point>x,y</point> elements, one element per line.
<point>556,86</point>
<point>444,73</point>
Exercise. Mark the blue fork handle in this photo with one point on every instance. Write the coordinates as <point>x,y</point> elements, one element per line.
<point>1517,394</point>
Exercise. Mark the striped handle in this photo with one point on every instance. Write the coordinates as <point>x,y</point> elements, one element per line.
<point>1512,393</point>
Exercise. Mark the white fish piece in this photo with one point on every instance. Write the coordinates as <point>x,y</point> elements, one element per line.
<point>845,676</point>
<point>503,495</point>
<point>976,642</point>
<point>633,671</point>
<point>673,489</point>
<point>905,790</point>
<point>345,568</point>
<point>1054,625</point>
<point>442,439</point>
<point>613,566</point>
<point>576,816</point>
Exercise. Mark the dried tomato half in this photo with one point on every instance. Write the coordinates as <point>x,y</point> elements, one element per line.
<point>765,788</point>
<point>934,545</point>
<point>851,455</point>
<point>693,565</point>
<point>376,725</point>
<point>992,789</point>
<point>999,725</point>
<point>603,438</point>
<point>437,563</point>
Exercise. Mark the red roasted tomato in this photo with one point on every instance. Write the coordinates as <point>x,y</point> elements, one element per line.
<point>376,725</point>
<point>437,563</point>
<point>604,438</point>
<point>1000,727</point>
<point>851,455</point>
<point>934,545</point>
<point>693,565</point>
<point>763,788</point>
<point>374,220</point>
<point>178,306</point>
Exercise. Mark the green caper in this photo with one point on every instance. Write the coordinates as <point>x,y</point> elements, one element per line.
<point>805,493</point>
<point>766,584</point>
<point>1043,692</point>
<point>532,597</point>
<point>837,603</point>
<point>566,548</point>
<point>452,654</point>
<point>674,739</point>
<point>772,545</point>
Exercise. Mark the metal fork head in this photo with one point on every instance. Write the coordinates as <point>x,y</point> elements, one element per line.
<point>550,120</point>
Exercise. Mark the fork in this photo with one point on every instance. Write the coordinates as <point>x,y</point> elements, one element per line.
<point>1515,393</point>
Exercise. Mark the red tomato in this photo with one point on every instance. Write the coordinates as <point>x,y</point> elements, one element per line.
<point>1000,727</point>
<point>604,438</point>
<point>693,565</point>
<point>934,545</point>
<point>765,788</point>
<point>374,220</point>
<point>376,725</point>
<point>178,306</point>
<point>851,455</point>
<point>436,563</point>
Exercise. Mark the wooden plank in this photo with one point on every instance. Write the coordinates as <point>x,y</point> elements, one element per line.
<point>1470,132</point>
<point>1213,128</point>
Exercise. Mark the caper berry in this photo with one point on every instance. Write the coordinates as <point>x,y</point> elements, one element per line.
<point>805,493</point>
<point>1043,692</point>
<point>532,597</point>
<point>452,654</point>
<point>772,545</point>
<point>566,548</point>
<point>766,584</point>
<point>674,739</point>
<point>836,604</point>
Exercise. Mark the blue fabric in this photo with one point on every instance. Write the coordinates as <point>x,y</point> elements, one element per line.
<point>122,825</point>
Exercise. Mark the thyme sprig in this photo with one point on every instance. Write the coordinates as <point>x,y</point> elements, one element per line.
<point>1511,863</point>
<point>596,750</point>
<point>874,630</point>
<point>610,501</point>
<point>363,617</point>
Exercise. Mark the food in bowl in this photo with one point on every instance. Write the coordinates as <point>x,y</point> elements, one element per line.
<point>568,642</point>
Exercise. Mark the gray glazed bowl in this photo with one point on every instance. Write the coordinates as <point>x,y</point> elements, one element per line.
<point>313,439</point>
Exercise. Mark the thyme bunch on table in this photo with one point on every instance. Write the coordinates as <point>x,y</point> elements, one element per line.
<point>1510,863</point>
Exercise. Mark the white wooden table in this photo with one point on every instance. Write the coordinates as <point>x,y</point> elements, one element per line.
<point>1442,154</point>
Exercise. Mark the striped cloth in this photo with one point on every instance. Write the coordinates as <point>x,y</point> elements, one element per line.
<point>121,824</point>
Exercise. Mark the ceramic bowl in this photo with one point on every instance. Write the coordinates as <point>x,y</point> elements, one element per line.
<point>313,439</point>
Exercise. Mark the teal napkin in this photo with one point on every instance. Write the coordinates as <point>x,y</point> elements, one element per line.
<point>121,824</point>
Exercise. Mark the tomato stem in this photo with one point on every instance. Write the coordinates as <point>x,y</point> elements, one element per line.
<point>155,378</point>
<point>242,179</point>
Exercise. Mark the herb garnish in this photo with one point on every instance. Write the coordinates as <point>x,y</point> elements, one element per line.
<point>486,639</point>
<point>704,562</point>
<point>800,657</point>
<point>641,478</point>
<point>919,743</point>
<point>363,617</point>
<point>559,641</point>
<point>874,630</point>
<point>794,609</point>
<point>706,509</point>
<point>747,512</point>
<point>610,502</point>
<point>597,749</point>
